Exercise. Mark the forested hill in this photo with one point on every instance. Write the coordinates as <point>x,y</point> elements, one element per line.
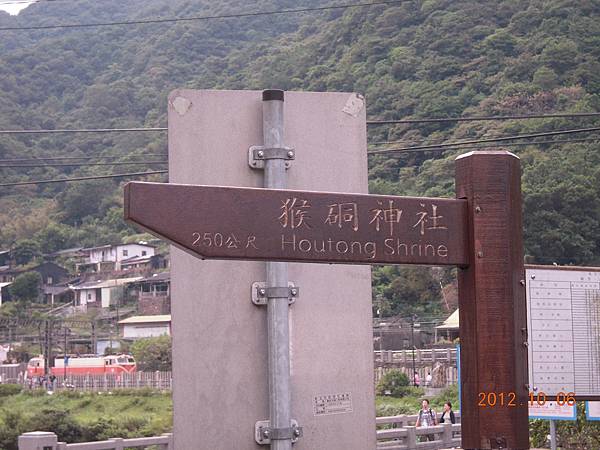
<point>420,59</point>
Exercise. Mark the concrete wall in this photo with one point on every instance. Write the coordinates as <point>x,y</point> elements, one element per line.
<point>221,392</point>
<point>145,330</point>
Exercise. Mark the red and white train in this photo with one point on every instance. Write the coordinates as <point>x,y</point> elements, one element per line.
<point>84,365</point>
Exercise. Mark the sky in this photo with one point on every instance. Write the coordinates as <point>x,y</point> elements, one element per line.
<point>14,8</point>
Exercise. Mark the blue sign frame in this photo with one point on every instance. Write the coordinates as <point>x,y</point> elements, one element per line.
<point>459,383</point>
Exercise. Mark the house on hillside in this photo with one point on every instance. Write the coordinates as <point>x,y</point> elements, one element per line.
<point>145,326</point>
<point>4,258</point>
<point>4,294</point>
<point>140,264</point>
<point>5,275</point>
<point>61,293</point>
<point>101,293</point>
<point>54,281</point>
<point>108,258</point>
<point>154,294</point>
<point>50,273</point>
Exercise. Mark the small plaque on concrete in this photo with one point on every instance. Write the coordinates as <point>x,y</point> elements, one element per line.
<point>333,404</point>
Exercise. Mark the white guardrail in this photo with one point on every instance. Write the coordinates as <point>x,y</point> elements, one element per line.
<point>38,440</point>
<point>401,437</point>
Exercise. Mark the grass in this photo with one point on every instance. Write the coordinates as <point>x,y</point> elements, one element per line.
<point>151,407</point>
<point>411,404</point>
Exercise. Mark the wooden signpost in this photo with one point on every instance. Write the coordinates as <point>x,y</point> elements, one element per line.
<point>269,224</point>
<point>480,232</point>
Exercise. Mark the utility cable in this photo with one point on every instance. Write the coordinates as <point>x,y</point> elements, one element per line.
<point>482,118</point>
<point>369,122</point>
<point>84,130</point>
<point>70,158</point>
<point>20,166</point>
<point>481,141</point>
<point>98,177</point>
<point>198,18</point>
<point>509,144</point>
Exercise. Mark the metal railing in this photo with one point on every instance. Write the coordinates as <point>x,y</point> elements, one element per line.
<point>106,382</point>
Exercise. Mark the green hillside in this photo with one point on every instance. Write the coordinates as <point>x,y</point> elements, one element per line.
<point>413,59</point>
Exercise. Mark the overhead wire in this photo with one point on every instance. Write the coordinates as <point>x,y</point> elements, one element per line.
<point>481,141</point>
<point>204,18</point>
<point>85,130</point>
<point>483,118</point>
<point>369,122</point>
<point>118,163</point>
<point>510,144</point>
<point>68,158</point>
<point>97,177</point>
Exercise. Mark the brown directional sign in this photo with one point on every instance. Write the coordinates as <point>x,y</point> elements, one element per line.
<point>265,224</point>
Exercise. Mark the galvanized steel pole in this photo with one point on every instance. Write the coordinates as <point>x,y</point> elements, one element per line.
<point>277,276</point>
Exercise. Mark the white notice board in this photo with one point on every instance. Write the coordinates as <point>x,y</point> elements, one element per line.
<point>592,410</point>
<point>552,410</point>
<point>563,314</point>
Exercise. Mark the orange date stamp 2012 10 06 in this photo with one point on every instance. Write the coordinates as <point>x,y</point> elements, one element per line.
<point>509,399</point>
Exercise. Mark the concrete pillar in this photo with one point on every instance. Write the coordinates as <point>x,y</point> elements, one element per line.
<point>38,440</point>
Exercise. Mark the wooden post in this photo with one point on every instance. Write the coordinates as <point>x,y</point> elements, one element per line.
<point>492,303</point>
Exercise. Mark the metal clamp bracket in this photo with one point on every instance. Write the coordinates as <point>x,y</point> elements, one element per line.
<point>261,293</point>
<point>257,155</point>
<point>264,434</point>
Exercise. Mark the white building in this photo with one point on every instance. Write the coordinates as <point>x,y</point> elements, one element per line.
<point>99,256</point>
<point>99,294</point>
<point>145,326</point>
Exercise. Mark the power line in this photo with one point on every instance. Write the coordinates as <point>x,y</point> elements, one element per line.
<point>82,164</point>
<point>198,18</point>
<point>481,141</point>
<point>482,118</point>
<point>369,122</point>
<point>524,144</point>
<point>84,130</point>
<point>70,158</point>
<point>98,177</point>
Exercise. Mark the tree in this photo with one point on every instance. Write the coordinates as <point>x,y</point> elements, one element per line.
<point>545,78</point>
<point>408,290</point>
<point>153,353</point>
<point>26,287</point>
<point>25,250</point>
<point>81,200</point>
<point>54,237</point>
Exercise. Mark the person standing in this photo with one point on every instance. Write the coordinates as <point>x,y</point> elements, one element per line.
<point>426,418</point>
<point>448,414</point>
<point>416,380</point>
<point>428,379</point>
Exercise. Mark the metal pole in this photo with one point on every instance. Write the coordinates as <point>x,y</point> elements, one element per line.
<point>552,435</point>
<point>277,276</point>
<point>65,359</point>
<point>412,344</point>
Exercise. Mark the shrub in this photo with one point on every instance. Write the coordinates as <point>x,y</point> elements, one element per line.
<point>10,389</point>
<point>58,421</point>
<point>394,383</point>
